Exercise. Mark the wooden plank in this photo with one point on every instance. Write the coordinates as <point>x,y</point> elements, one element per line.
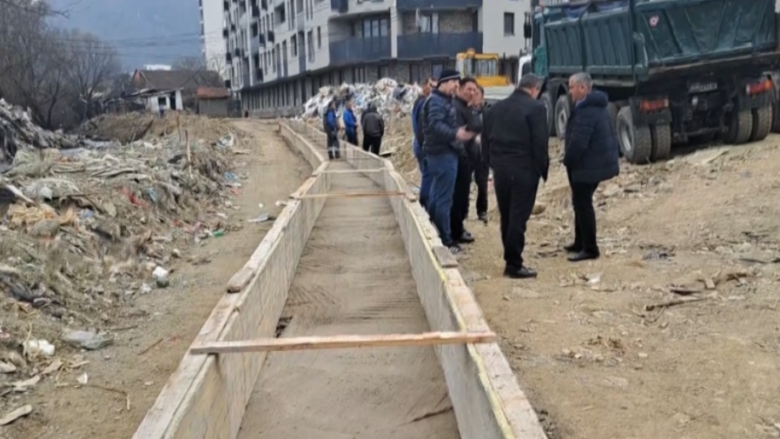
<point>351,195</point>
<point>445,257</point>
<point>342,342</point>
<point>352,171</point>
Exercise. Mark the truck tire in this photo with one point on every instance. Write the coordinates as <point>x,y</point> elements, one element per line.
<point>740,127</point>
<point>613,109</point>
<point>636,143</point>
<point>662,142</point>
<point>550,106</point>
<point>762,123</point>
<point>775,118</point>
<point>562,113</point>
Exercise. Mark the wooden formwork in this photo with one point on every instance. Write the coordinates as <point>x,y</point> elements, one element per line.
<point>206,397</point>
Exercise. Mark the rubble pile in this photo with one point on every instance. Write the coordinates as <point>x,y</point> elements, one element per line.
<point>390,98</point>
<point>85,230</point>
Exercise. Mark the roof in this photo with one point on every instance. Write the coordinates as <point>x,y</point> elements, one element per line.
<point>212,93</point>
<point>176,79</point>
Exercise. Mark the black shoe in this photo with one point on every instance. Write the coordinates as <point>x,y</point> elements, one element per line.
<point>573,248</point>
<point>330,156</point>
<point>338,155</point>
<point>455,249</point>
<point>482,217</point>
<point>466,238</point>
<point>583,256</point>
<point>519,273</point>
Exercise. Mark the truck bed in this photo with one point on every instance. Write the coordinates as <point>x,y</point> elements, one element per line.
<point>597,37</point>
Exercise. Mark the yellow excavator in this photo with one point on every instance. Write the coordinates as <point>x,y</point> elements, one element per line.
<point>481,66</point>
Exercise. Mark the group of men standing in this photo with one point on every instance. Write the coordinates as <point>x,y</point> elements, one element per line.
<point>371,122</point>
<point>453,140</point>
<point>447,122</point>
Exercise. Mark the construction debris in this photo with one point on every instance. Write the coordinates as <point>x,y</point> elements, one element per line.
<point>390,98</point>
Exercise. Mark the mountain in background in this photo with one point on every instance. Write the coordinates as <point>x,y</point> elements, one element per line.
<point>143,31</point>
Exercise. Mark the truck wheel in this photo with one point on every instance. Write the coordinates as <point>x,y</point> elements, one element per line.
<point>548,104</point>
<point>762,123</point>
<point>662,142</point>
<point>612,109</point>
<point>636,143</point>
<point>775,118</point>
<point>562,112</point>
<point>740,127</point>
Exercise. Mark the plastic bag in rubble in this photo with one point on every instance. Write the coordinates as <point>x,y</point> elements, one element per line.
<point>226,141</point>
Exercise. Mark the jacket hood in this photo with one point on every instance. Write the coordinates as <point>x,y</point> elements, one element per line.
<point>595,99</point>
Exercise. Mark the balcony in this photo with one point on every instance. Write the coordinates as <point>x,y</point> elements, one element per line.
<point>225,32</point>
<point>427,45</point>
<point>233,27</point>
<point>413,5</point>
<point>359,50</point>
<point>237,52</point>
<point>340,6</point>
<point>225,5</point>
<point>271,37</point>
<point>255,11</point>
<point>261,38</point>
<point>301,64</point>
<point>228,57</point>
<point>259,74</point>
<point>299,21</point>
<point>264,5</point>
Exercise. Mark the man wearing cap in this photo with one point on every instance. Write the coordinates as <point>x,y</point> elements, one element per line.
<point>442,145</point>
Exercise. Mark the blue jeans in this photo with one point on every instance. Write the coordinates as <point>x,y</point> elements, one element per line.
<point>443,169</point>
<point>425,177</point>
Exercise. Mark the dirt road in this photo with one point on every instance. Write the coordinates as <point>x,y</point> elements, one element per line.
<point>162,324</point>
<point>353,278</point>
<point>602,349</point>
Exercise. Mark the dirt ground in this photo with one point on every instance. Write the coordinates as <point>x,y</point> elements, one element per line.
<point>152,336</point>
<point>675,331</point>
<point>354,277</point>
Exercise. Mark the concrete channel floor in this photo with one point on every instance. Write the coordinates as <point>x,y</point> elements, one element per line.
<point>353,278</point>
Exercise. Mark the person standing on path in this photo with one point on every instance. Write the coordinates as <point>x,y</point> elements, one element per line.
<point>417,127</point>
<point>481,165</point>
<point>466,161</point>
<point>373,130</point>
<point>517,137</point>
<point>331,129</point>
<point>350,124</point>
<point>442,144</point>
<point>590,157</point>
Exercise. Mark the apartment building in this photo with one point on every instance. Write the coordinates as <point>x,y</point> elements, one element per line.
<point>280,52</point>
<point>212,36</point>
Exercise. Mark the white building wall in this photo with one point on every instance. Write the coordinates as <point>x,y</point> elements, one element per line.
<point>495,38</point>
<point>212,40</point>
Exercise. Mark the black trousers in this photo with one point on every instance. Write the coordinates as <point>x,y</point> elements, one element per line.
<point>372,144</point>
<point>460,199</point>
<point>584,216</point>
<point>333,145</point>
<point>516,194</point>
<point>481,176</point>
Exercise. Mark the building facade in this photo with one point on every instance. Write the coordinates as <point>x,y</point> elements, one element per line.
<point>280,52</point>
<point>212,36</point>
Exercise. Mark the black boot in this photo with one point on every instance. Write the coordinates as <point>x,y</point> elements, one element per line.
<point>519,273</point>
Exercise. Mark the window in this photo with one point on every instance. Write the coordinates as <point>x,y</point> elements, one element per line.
<point>428,23</point>
<point>415,75</point>
<point>373,27</point>
<point>319,37</point>
<point>509,23</point>
<point>436,69</point>
<point>310,44</point>
<point>294,46</point>
<point>254,29</point>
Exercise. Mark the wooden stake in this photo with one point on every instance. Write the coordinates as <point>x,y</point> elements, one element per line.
<point>351,171</point>
<point>352,195</point>
<point>189,151</point>
<point>342,342</point>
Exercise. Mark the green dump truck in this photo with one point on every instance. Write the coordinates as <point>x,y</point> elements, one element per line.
<point>674,70</point>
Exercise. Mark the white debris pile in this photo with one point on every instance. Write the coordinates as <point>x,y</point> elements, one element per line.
<point>389,97</point>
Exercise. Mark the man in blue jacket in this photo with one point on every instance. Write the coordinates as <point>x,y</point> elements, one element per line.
<point>331,131</point>
<point>350,124</point>
<point>417,127</point>
<point>590,156</point>
<point>442,145</point>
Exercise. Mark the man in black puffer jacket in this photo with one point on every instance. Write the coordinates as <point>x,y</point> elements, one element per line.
<point>590,156</point>
<point>442,144</point>
<point>467,161</point>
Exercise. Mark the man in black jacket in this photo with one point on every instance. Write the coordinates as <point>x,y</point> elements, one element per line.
<point>373,130</point>
<point>590,156</point>
<point>467,161</point>
<point>482,167</point>
<point>442,144</point>
<point>516,136</point>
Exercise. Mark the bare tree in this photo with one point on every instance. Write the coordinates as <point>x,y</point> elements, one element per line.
<point>91,66</point>
<point>189,63</point>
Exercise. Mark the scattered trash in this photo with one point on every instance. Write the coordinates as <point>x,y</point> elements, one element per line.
<point>25,385</point>
<point>37,348</point>
<point>263,217</point>
<point>160,276</point>
<point>83,379</point>
<point>15,414</point>
<point>88,340</point>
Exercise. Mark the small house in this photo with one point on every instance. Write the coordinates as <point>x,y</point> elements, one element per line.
<point>213,101</point>
<point>172,89</point>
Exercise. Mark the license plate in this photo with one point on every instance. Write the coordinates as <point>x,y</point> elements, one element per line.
<point>702,87</point>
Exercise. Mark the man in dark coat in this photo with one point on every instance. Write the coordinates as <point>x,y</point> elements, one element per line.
<point>350,124</point>
<point>467,160</point>
<point>516,136</point>
<point>590,156</point>
<point>373,130</point>
<point>417,126</point>
<point>331,128</point>
<point>482,167</point>
<point>442,144</point>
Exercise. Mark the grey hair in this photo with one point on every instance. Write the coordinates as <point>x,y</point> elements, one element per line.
<point>583,78</point>
<point>530,81</point>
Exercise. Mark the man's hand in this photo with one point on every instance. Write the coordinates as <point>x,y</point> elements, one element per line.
<point>464,135</point>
